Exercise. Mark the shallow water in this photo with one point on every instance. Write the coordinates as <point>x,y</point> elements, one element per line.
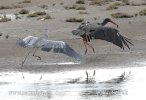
<point>72,85</point>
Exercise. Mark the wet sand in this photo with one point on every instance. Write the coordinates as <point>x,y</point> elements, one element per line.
<point>107,55</point>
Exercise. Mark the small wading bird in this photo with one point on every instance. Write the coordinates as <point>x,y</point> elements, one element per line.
<point>46,45</point>
<point>88,31</point>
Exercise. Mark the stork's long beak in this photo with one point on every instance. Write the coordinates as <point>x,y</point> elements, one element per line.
<point>114,23</point>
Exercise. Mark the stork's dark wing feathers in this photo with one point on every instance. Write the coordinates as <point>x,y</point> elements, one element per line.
<point>128,40</point>
<point>111,35</point>
<point>124,41</point>
<point>104,33</point>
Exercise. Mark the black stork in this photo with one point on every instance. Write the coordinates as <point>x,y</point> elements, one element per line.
<point>89,31</point>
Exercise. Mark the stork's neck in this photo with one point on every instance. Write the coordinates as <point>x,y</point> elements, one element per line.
<point>104,23</point>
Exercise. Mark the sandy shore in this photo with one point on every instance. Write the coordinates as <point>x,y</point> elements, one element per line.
<point>107,55</point>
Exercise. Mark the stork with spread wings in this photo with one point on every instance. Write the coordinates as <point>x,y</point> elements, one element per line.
<point>89,31</point>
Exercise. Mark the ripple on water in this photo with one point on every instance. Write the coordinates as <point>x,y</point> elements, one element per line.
<point>108,84</point>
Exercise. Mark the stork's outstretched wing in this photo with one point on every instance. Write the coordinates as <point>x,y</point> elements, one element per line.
<point>48,45</point>
<point>104,33</point>
<point>111,35</point>
<point>59,47</point>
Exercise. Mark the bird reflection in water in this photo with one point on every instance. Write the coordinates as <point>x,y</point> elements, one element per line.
<point>112,87</point>
<point>90,79</point>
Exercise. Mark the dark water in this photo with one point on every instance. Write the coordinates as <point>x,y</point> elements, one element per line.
<point>72,85</point>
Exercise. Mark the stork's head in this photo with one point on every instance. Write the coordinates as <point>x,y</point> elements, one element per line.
<point>81,29</point>
<point>106,20</point>
<point>25,41</point>
<point>83,25</point>
<point>20,42</point>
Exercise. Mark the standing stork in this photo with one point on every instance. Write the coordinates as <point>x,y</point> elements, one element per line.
<point>88,31</point>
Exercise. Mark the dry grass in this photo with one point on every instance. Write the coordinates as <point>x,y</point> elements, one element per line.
<point>80,2</point>
<point>5,7</point>
<point>126,2</point>
<point>36,14</point>
<point>23,11</point>
<point>95,18</point>
<point>7,36</point>
<point>121,15</point>
<point>78,20</point>
<point>44,6</point>
<point>99,2</point>
<point>26,1</point>
<point>70,7</point>
<point>53,4</point>
<point>40,15</point>
<point>143,12</point>
<point>80,8</point>
<point>18,16</point>
<point>45,17</point>
<point>4,19</point>
<point>77,7</point>
<point>143,3</point>
<point>61,3</point>
<point>83,12</point>
<point>114,6</point>
<point>9,7</point>
<point>1,34</point>
<point>16,6</point>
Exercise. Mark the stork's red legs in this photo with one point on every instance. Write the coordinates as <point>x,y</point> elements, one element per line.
<point>85,46</point>
<point>85,40</point>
